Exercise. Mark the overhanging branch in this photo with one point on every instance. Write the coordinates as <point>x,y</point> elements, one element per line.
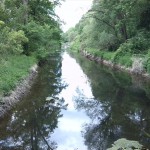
<point>94,10</point>
<point>105,22</point>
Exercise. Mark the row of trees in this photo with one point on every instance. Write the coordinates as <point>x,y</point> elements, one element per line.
<point>120,27</point>
<point>29,32</point>
<point>29,27</point>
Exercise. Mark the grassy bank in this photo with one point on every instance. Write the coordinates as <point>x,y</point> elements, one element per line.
<point>138,63</point>
<point>125,59</point>
<point>13,70</point>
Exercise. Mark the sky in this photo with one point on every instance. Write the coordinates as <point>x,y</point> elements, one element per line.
<point>71,12</point>
<point>68,134</point>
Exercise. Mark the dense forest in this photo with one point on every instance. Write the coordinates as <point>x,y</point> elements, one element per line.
<point>115,30</point>
<point>29,31</point>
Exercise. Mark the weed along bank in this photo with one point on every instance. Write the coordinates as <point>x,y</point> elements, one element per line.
<point>137,67</point>
<point>22,89</point>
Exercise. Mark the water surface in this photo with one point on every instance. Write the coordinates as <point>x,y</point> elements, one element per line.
<point>77,104</point>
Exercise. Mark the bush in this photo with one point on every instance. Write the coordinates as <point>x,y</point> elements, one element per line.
<point>137,44</point>
<point>146,62</point>
<point>107,41</point>
<point>1,23</point>
<point>148,66</point>
<point>43,39</point>
<point>125,144</point>
<point>11,41</point>
<point>75,45</point>
<point>122,57</point>
<point>15,40</point>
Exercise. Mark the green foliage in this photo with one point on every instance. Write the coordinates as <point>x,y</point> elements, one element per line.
<point>43,39</point>
<point>95,52</point>
<point>148,66</point>
<point>38,20</point>
<point>115,26</point>
<point>106,55</point>
<point>107,41</point>
<point>126,144</point>
<point>70,35</point>
<point>137,44</point>
<point>75,46</point>
<point>11,41</point>
<point>123,57</point>
<point>144,15</point>
<point>125,60</point>
<point>13,70</point>
<point>35,34</point>
<point>15,39</point>
<point>146,62</point>
<point>1,23</point>
<point>26,27</point>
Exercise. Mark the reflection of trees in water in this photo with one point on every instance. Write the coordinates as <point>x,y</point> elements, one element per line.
<point>96,133</point>
<point>32,128</point>
<point>35,118</point>
<point>111,121</point>
<point>119,108</point>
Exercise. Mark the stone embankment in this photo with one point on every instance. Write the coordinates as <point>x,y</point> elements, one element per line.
<point>136,69</point>
<point>6,103</point>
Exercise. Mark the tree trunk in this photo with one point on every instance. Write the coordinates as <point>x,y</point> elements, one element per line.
<point>25,15</point>
<point>123,28</point>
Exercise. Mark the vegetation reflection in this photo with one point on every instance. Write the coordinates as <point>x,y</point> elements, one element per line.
<point>35,118</point>
<point>119,109</point>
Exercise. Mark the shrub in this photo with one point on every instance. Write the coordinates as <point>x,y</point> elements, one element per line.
<point>137,44</point>
<point>125,144</point>
<point>107,41</point>
<point>1,23</point>
<point>11,41</point>
<point>15,41</point>
<point>41,37</point>
<point>75,45</point>
<point>122,57</point>
<point>146,62</point>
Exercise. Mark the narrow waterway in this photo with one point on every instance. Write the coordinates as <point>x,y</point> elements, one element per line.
<point>76,104</point>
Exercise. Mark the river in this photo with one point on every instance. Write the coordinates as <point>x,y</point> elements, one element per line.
<point>76,104</point>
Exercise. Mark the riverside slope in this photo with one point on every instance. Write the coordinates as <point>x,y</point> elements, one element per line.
<point>21,90</point>
<point>108,63</point>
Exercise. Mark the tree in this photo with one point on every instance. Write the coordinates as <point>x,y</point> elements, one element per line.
<point>38,21</point>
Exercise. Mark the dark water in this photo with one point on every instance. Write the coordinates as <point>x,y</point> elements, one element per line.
<point>77,104</point>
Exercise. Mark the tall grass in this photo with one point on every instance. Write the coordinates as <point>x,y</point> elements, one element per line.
<point>12,71</point>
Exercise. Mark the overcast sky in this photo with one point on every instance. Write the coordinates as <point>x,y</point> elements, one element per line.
<point>71,11</point>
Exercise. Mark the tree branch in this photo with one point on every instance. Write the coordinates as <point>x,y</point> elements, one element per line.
<point>105,22</point>
<point>92,10</point>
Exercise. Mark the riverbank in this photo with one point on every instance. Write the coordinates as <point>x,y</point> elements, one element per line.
<point>22,88</point>
<point>135,69</point>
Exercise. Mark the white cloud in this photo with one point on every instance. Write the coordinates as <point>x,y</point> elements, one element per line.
<point>71,11</point>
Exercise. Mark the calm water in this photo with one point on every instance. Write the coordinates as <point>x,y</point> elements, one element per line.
<point>77,104</point>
